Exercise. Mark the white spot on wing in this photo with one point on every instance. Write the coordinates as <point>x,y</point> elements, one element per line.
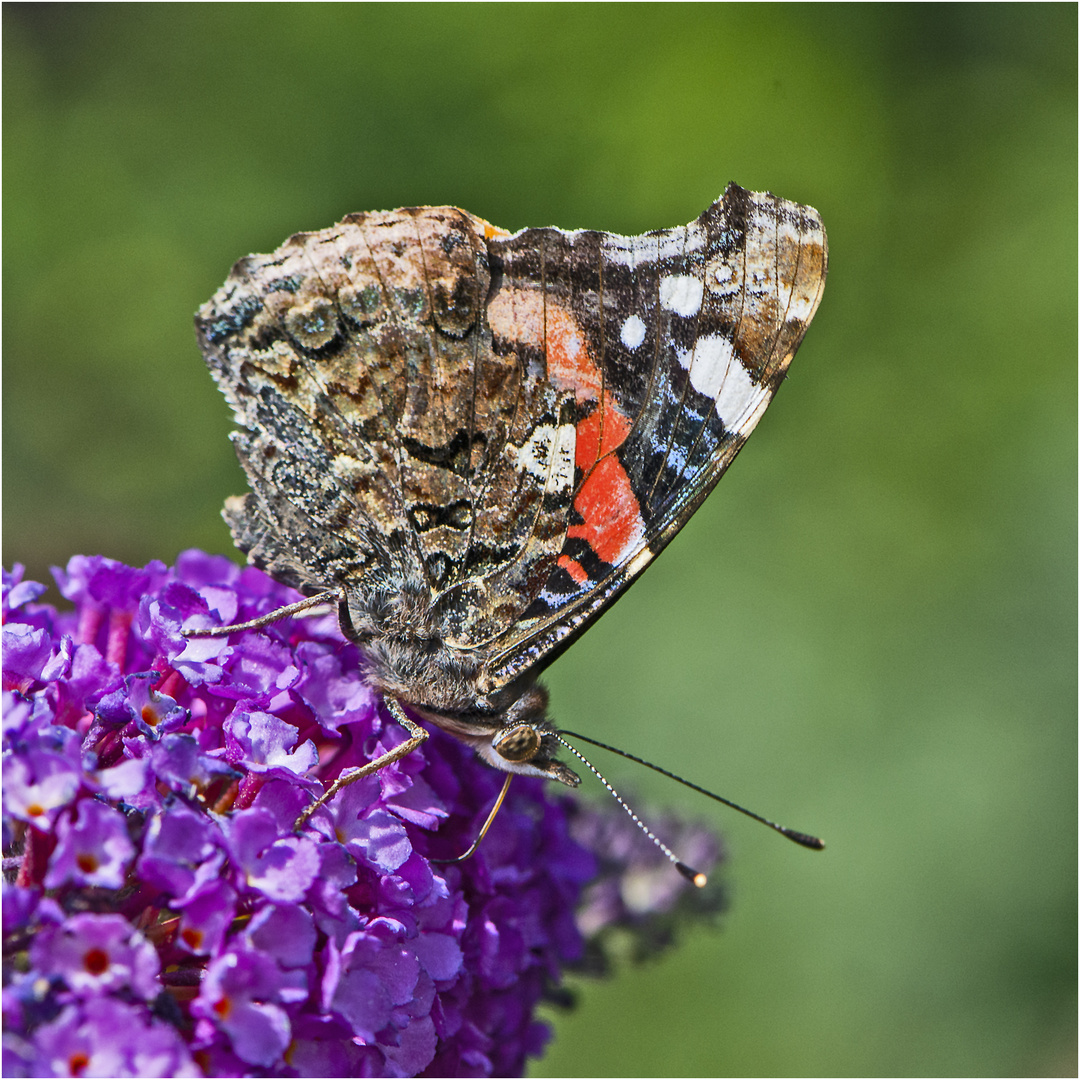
<point>549,456</point>
<point>716,372</point>
<point>633,332</point>
<point>561,477</point>
<point>710,362</point>
<point>639,562</point>
<point>681,293</point>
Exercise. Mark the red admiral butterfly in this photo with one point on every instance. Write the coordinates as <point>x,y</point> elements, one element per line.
<point>472,441</point>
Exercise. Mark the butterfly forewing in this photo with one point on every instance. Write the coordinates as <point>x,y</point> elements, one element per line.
<point>696,329</point>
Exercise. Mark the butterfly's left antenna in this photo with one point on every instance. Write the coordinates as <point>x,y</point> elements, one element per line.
<point>688,872</point>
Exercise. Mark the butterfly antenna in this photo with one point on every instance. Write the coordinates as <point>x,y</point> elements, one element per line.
<point>688,872</point>
<point>487,824</point>
<point>804,839</point>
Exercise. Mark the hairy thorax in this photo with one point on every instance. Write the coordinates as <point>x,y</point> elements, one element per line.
<point>407,652</point>
<point>409,660</point>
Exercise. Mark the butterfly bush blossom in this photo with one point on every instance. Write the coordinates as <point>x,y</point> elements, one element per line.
<point>162,917</point>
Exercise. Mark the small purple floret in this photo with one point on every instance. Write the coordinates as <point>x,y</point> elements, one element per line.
<point>96,953</point>
<point>94,849</point>
<point>169,919</point>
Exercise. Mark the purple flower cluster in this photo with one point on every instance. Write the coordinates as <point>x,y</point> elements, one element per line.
<point>162,917</point>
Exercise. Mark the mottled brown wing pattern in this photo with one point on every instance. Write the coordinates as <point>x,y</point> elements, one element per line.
<point>386,441</point>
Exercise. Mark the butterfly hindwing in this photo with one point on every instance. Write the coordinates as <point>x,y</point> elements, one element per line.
<point>388,442</point>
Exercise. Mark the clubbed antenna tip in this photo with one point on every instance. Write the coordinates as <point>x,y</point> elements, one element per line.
<point>802,838</point>
<point>695,877</point>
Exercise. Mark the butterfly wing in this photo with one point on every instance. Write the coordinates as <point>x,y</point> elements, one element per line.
<point>674,343</point>
<point>390,446</point>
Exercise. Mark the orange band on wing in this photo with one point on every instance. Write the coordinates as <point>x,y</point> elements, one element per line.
<point>574,569</point>
<point>568,361</point>
<point>601,432</point>
<point>613,526</point>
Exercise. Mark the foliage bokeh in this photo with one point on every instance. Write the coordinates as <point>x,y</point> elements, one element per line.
<point>868,632</point>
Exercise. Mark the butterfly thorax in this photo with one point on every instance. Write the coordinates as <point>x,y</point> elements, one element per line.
<point>409,659</point>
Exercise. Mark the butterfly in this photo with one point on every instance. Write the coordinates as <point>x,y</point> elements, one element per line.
<point>472,441</point>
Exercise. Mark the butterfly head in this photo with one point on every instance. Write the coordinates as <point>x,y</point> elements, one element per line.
<point>522,741</point>
<point>515,738</point>
<point>528,748</point>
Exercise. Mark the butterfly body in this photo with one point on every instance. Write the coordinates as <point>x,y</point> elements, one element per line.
<point>477,440</point>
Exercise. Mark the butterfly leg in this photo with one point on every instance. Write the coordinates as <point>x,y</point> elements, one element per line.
<point>331,596</point>
<point>487,824</point>
<point>417,735</point>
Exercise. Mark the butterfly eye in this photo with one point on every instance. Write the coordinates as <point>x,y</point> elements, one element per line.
<point>519,743</point>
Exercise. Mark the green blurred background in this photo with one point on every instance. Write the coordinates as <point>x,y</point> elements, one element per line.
<point>869,631</point>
